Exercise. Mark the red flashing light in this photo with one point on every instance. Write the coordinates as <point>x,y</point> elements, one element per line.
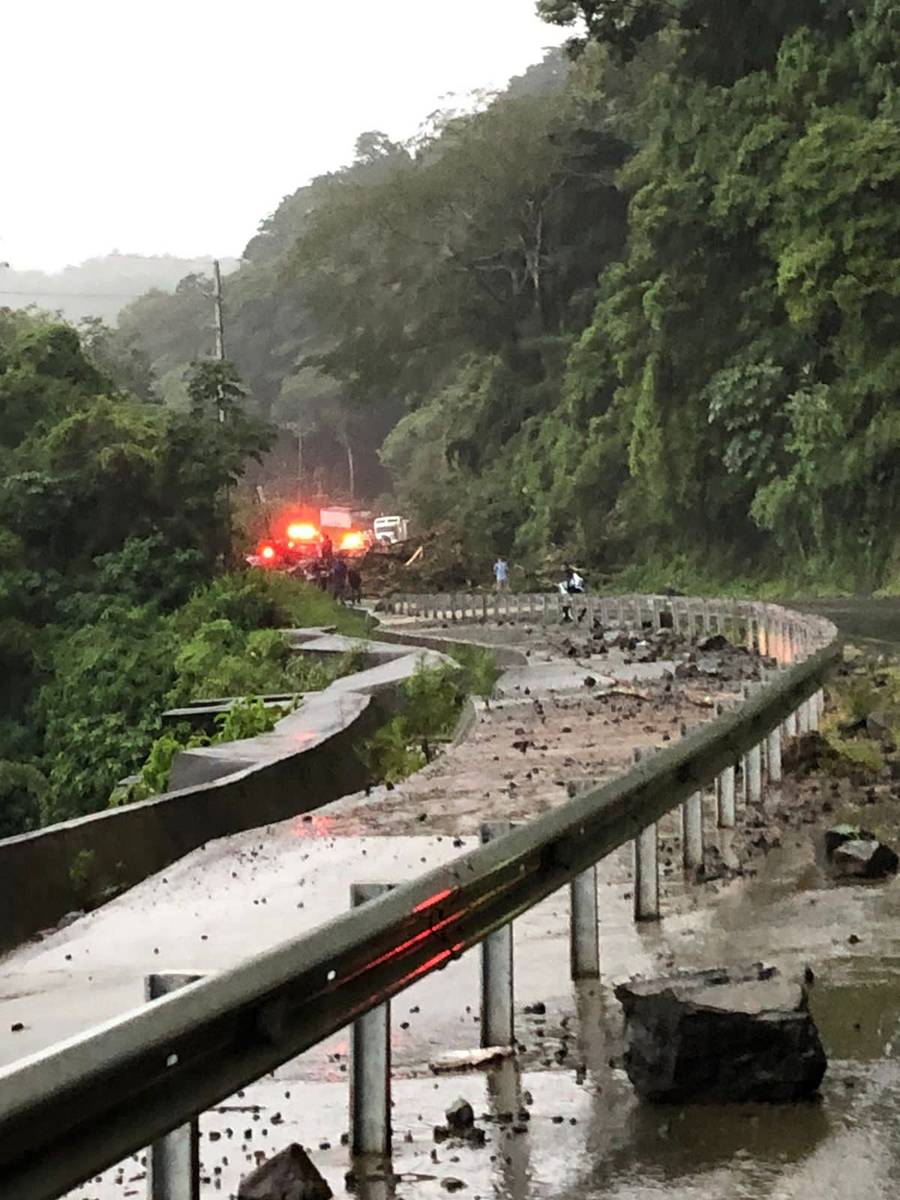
<point>267,552</point>
<point>353,540</point>
<point>302,531</point>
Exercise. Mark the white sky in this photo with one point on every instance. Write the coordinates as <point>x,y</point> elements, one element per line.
<point>150,126</point>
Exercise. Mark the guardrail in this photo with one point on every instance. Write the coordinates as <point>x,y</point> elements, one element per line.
<point>74,1110</point>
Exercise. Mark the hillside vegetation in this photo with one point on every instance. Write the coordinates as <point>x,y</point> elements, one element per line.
<point>640,310</point>
<point>115,601</point>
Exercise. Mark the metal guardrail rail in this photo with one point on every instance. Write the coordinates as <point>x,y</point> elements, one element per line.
<point>77,1108</point>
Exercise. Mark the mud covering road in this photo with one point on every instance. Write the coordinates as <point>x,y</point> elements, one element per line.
<point>560,1122</point>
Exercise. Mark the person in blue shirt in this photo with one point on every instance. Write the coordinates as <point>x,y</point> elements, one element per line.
<point>501,574</point>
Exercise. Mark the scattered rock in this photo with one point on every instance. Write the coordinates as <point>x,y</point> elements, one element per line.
<point>805,753</point>
<point>725,1035</point>
<point>290,1175</point>
<point>716,641</point>
<point>460,1116</point>
<point>452,1185</point>
<point>838,835</point>
<point>879,727</point>
<point>864,859</point>
<point>709,666</point>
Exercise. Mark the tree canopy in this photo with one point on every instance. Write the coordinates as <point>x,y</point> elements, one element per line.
<point>113,511</point>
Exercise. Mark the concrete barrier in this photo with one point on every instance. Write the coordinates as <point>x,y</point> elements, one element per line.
<point>308,760</point>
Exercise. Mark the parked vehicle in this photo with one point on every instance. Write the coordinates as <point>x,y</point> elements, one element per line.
<point>391,530</point>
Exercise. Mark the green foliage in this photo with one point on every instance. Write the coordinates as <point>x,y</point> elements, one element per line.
<point>431,702</point>
<point>113,518</point>
<point>22,791</point>
<point>432,698</point>
<point>391,754</point>
<point>247,717</point>
<point>100,707</point>
<point>854,754</point>
<point>479,673</point>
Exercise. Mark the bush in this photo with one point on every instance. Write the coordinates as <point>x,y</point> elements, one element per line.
<point>247,717</point>
<point>256,599</point>
<point>432,700</point>
<point>479,670</point>
<point>391,754</point>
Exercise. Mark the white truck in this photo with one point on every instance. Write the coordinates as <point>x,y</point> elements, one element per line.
<point>390,530</point>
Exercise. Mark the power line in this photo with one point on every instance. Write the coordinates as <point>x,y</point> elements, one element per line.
<point>74,295</point>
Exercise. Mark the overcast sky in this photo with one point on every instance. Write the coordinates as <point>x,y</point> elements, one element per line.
<point>150,126</point>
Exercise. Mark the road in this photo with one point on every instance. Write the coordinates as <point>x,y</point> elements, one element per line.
<point>586,1136</point>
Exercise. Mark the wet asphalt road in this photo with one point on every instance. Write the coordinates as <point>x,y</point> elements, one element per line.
<point>586,1136</point>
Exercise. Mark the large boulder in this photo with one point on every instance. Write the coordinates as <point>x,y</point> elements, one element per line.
<point>839,835</point>
<point>726,1035</point>
<point>864,860</point>
<point>290,1175</point>
<point>855,853</point>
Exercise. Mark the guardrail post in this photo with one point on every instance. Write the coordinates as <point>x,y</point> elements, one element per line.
<point>497,1026</point>
<point>646,869</point>
<point>370,1065</point>
<point>725,804</point>
<point>584,932</point>
<point>726,816</point>
<point>802,715</point>
<point>173,1163</point>
<point>692,826</point>
<point>753,769</point>
<point>774,755</point>
<point>789,727</point>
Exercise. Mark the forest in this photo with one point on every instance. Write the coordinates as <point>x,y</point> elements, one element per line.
<point>639,310</point>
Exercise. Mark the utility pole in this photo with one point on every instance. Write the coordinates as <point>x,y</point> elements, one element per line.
<point>298,429</point>
<point>220,327</point>
<point>220,324</point>
<point>220,355</point>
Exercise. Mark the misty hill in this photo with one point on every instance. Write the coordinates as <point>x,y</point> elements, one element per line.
<point>99,287</point>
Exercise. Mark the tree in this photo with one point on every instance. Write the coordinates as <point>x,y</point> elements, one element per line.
<point>120,357</point>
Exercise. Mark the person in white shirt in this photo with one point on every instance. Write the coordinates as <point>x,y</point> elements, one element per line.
<point>572,585</point>
<point>501,574</point>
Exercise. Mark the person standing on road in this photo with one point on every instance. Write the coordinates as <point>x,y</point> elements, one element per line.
<point>354,585</point>
<point>572,585</point>
<point>338,579</point>
<point>501,574</point>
